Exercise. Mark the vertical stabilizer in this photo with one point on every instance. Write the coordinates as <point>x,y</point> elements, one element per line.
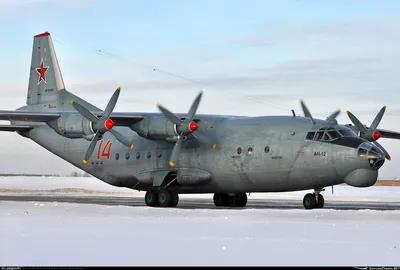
<point>45,79</point>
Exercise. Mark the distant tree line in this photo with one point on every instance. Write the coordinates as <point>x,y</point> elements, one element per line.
<point>77,174</point>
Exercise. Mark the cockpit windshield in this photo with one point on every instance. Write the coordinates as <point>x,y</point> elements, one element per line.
<point>330,134</point>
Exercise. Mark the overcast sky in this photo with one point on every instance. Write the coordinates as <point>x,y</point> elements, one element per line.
<point>250,58</point>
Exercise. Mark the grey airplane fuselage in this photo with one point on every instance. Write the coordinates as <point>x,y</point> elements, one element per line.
<point>252,154</point>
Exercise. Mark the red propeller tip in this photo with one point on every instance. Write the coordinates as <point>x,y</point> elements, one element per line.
<point>193,126</point>
<point>109,124</point>
<point>376,135</point>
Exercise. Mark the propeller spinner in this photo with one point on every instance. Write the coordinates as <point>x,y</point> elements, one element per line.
<point>183,127</point>
<point>101,125</point>
<point>370,134</point>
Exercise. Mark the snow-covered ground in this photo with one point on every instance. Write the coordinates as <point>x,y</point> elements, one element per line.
<point>78,235</point>
<point>42,234</point>
<point>93,186</point>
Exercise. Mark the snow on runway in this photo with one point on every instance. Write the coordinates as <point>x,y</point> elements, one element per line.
<point>78,234</point>
<point>93,186</point>
<point>71,234</point>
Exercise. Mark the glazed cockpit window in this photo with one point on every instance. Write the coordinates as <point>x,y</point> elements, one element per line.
<point>334,134</point>
<point>330,134</point>
<point>310,135</point>
<point>347,133</point>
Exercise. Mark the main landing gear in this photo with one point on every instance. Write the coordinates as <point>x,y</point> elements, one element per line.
<point>237,200</point>
<point>313,200</point>
<point>162,198</point>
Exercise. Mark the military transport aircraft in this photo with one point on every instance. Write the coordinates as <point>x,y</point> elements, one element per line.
<point>166,154</point>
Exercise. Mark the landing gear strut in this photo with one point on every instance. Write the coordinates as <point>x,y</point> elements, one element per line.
<point>163,198</point>
<point>313,200</point>
<point>237,200</point>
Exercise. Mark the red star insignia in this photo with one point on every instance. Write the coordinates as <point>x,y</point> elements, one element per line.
<point>42,71</point>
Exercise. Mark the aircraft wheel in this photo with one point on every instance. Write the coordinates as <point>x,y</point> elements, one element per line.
<point>321,201</point>
<point>175,199</point>
<point>242,201</point>
<point>220,199</point>
<point>165,198</point>
<point>151,198</point>
<point>309,201</point>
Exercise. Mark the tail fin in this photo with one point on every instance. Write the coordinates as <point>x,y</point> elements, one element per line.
<point>45,79</point>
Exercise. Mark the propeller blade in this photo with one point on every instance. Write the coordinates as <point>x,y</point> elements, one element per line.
<point>84,112</point>
<point>169,115</point>
<point>111,103</point>
<point>194,106</point>
<point>356,122</point>
<point>203,139</point>
<point>305,109</point>
<point>122,139</point>
<point>175,152</point>
<point>91,147</point>
<point>333,116</point>
<point>378,118</point>
<point>387,156</point>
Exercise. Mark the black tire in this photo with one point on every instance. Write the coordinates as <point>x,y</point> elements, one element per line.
<point>321,201</point>
<point>175,199</point>
<point>220,199</point>
<point>151,198</point>
<point>309,201</point>
<point>242,199</point>
<point>165,198</point>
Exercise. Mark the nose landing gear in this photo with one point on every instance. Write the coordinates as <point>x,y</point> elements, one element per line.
<point>313,200</point>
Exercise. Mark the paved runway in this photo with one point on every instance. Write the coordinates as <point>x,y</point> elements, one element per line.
<point>200,203</point>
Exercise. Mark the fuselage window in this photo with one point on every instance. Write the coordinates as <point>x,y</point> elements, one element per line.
<point>266,149</point>
<point>127,156</point>
<point>250,150</point>
<point>239,150</point>
<point>159,154</point>
<point>148,155</point>
<point>137,155</point>
<point>116,156</point>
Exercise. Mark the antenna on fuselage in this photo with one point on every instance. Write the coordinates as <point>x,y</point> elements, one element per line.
<point>294,114</point>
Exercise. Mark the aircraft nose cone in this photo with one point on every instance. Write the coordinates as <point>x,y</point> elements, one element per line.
<point>109,124</point>
<point>193,126</point>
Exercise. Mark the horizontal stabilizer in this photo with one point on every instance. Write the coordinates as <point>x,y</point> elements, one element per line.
<point>120,119</point>
<point>13,128</point>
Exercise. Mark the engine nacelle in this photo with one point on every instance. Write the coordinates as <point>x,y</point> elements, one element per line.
<point>73,126</point>
<point>155,128</point>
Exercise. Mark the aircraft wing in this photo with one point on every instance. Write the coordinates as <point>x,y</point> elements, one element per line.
<point>28,116</point>
<point>13,128</point>
<point>120,119</point>
<point>389,134</point>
